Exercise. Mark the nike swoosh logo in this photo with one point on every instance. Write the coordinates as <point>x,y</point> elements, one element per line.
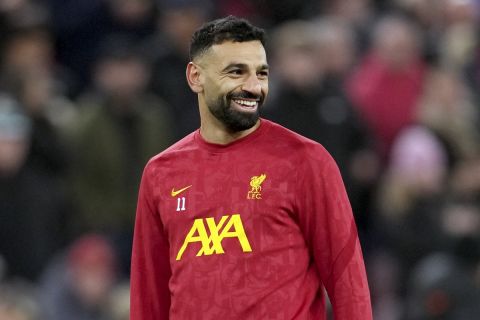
<point>177,192</point>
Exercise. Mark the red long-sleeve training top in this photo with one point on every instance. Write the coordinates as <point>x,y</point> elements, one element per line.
<point>255,229</point>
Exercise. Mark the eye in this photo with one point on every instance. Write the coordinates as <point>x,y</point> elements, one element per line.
<point>263,74</point>
<point>236,72</point>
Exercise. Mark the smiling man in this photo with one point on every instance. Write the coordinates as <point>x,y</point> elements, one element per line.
<point>243,219</point>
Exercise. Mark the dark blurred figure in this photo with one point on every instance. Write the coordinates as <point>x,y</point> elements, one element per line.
<point>445,284</point>
<point>80,28</point>
<point>121,125</point>
<point>411,192</point>
<point>30,50</point>
<point>15,14</point>
<point>387,84</point>
<point>32,205</point>
<point>411,195</point>
<point>416,217</point>
<point>247,9</point>
<point>30,74</point>
<point>27,50</point>
<point>429,15</point>
<point>49,113</point>
<point>269,13</point>
<point>309,99</point>
<point>169,48</point>
<point>78,285</point>
<point>135,18</point>
<point>358,14</point>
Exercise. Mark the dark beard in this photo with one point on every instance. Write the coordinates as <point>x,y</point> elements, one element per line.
<point>235,120</point>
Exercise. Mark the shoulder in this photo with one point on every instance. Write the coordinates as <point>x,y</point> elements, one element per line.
<point>294,144</point>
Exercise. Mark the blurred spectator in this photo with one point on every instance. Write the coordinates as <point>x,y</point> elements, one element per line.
<point>443,285</point>
<point>80,28</point>
<point>27,50</point>
<point>177,22</point>
<point>276,12</point>
<point>248,9</point>
<point>359,14</point>
<point>429,15</point>
<point>29,56</point>
<point>17,302</point>
<point>449,31</point>
<point>388,82</point>
<point>460,34</point>
<point>465,181</point>
<point>313,104</point>
<point>121,125</point>
<point>418,169</point>
<point>15,14</point>
<point>356,12</point>
<point>420,212</point>
<point>411,197</point>
<point>268,13</point>
<point>32,206</point>
<point>30,75</point>
<point>336,47</point>
<point>134,18</point>
<point>49,114</point>
<point>446,107</point>
<point>78,286</point>
<point>384,273</point>
<point>119,302</point>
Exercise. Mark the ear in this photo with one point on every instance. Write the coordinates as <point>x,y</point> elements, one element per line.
<point>193,77</point>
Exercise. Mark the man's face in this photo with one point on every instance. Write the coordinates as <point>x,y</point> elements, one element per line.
<point>235,82</point>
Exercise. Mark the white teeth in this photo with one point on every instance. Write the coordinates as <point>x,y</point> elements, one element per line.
<point>247,103</point>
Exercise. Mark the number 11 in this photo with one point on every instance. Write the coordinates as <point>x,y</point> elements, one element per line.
<point>181,204</point>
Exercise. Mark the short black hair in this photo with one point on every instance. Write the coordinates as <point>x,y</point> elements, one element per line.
<point>221,30</point>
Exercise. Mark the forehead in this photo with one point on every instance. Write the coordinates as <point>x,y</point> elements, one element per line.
<point>249,53</point>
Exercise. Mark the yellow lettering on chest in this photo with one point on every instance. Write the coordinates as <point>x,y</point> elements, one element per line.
<point>227,227</point>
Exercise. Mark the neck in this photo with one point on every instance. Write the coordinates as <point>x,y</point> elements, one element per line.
<point>223,136</point>
<point>214,131</point>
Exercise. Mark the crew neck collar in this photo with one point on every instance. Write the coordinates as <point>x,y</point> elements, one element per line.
<point>218,148</point>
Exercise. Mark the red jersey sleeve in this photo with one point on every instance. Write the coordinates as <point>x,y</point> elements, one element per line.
<point>150,269</point>
<point>326,218</point>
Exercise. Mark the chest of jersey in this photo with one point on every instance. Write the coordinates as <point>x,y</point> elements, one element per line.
<point>224,204</point>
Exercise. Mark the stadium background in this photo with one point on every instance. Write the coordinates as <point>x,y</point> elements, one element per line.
<point>90,89</point>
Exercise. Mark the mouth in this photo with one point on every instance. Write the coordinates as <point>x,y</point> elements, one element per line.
<point>249,105</point>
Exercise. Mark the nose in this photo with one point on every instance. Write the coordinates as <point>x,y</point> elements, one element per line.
<point>253,85</point>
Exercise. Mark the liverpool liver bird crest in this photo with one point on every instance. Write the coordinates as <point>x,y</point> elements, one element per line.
<point>256,181</point>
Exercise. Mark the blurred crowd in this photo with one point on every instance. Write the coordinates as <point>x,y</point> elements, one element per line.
<point>91,89</point>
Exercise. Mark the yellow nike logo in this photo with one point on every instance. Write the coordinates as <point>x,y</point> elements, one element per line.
<point>177,192</point>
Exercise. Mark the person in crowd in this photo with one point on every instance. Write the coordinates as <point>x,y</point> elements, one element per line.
<point>79,284</point>
<point>447,108</point>
<point>33,207</point>
<point>120,126</point>
<point>387,84</point>
<point>18,301</point>
<point>309,99</point>
<point>444,284</point>
<point>411,195</point>
<point>177,21</point>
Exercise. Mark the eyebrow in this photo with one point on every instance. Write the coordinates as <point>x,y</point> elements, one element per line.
<point>244,66</point>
